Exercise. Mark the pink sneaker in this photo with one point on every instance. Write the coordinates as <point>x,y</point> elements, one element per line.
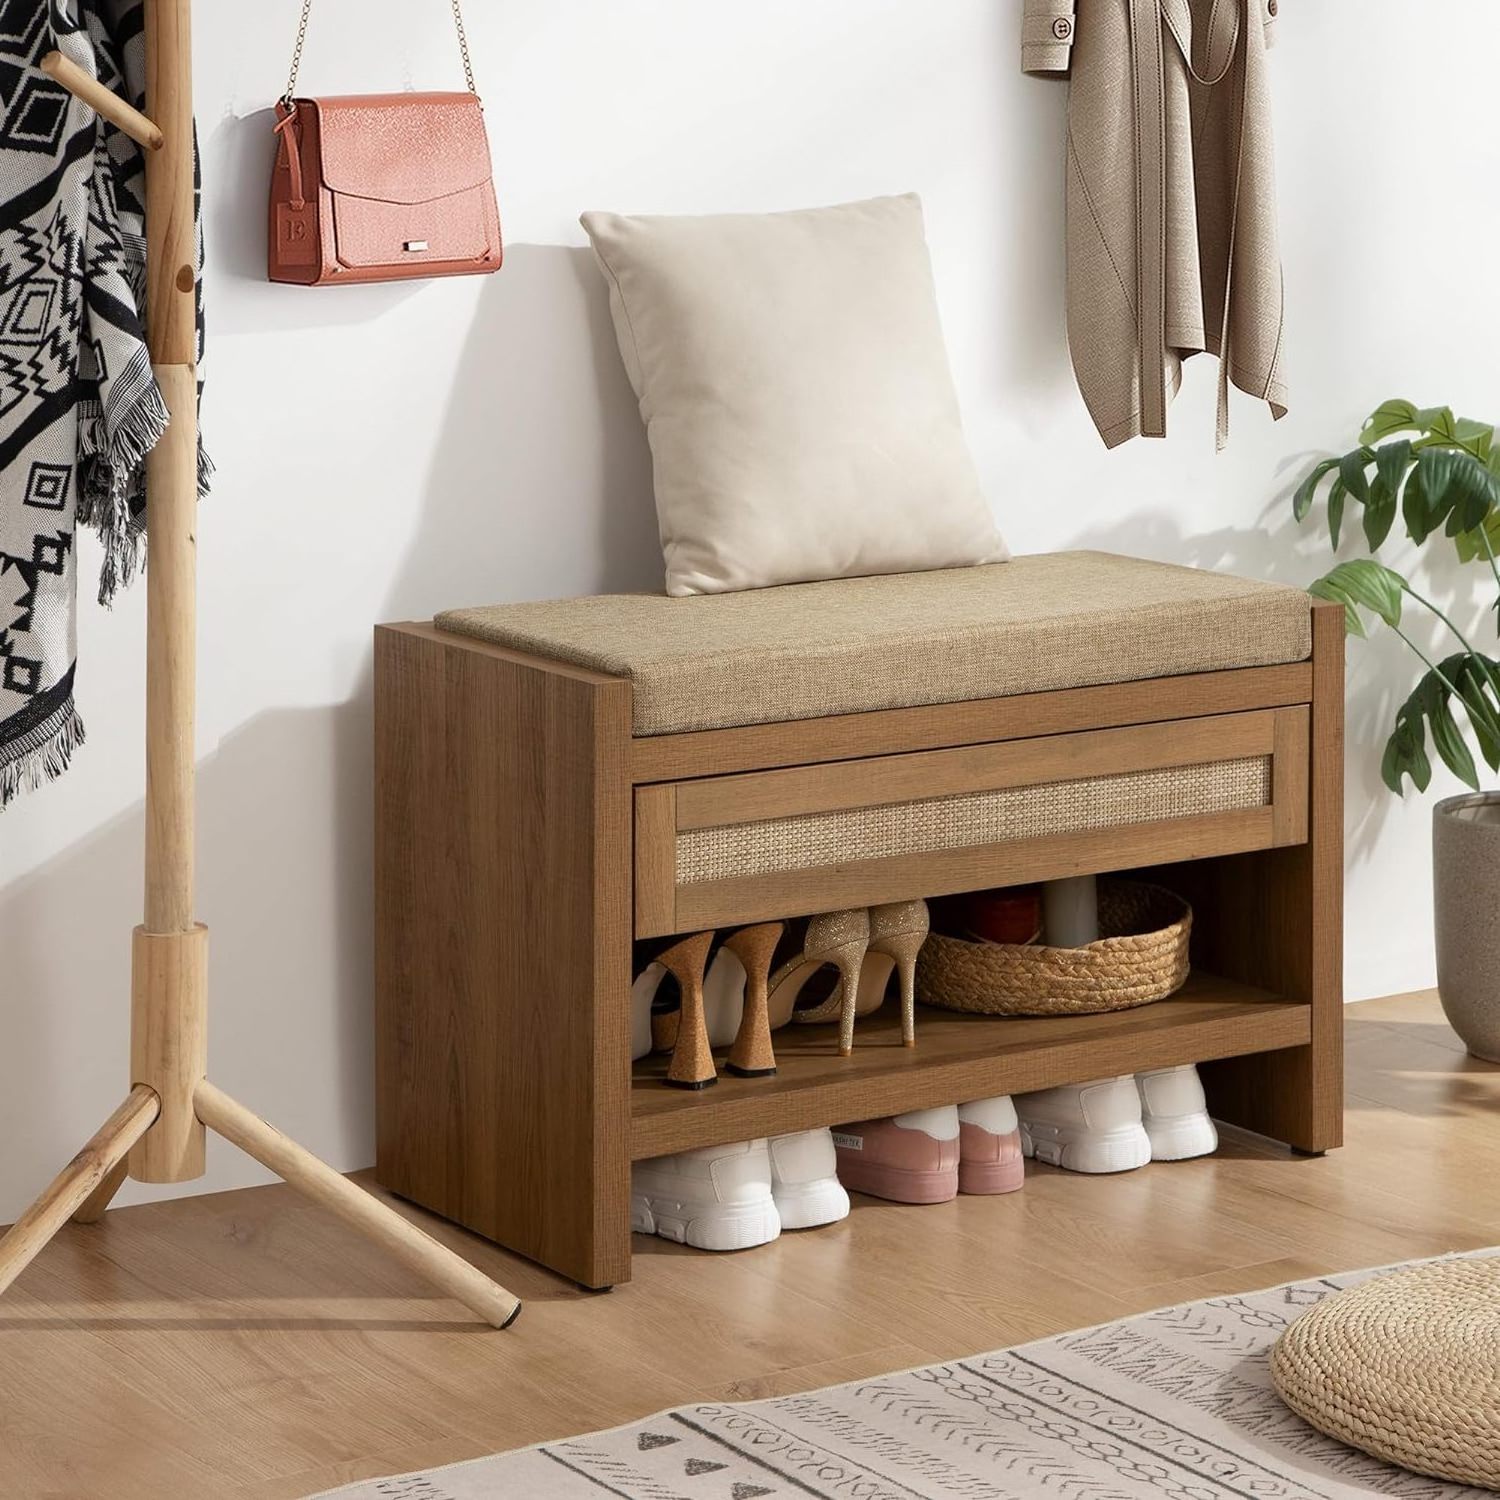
<point>989,1147</point>
<point>910,1158</point>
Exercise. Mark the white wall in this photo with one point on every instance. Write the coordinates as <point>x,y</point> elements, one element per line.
<point>387,451</point>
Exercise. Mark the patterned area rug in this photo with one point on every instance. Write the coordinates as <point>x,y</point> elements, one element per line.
<point>1177,1403</point>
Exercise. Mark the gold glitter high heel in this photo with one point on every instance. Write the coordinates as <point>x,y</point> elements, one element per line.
<point>897,932</point>
<point>839,938</point>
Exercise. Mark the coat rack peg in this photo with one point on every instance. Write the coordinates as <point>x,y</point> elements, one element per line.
<point>103,101</point>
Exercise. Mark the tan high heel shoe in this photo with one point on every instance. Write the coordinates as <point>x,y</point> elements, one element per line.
<point>752,1055</point>
<point>685,959</point>
<point>733,1005</point>
<point>897,932</point>
<point>838,938</point>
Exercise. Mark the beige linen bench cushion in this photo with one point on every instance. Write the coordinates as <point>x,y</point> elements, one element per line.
<point>801,651</point>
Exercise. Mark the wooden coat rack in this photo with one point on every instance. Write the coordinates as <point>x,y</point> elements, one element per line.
<point>158,1133</point>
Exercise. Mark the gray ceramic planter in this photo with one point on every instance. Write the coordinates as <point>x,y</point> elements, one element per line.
<point>1466,901</point>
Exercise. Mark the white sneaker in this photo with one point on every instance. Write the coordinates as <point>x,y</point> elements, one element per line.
<point>715,1198</point>
<point>804,1180</point>
<point>1175,1114</point>
<point>1091,1127</point>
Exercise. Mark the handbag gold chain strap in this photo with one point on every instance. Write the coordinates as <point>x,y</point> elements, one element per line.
<point>291,82</point>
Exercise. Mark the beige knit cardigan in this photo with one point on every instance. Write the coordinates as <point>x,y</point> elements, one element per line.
<point>1171,214</point>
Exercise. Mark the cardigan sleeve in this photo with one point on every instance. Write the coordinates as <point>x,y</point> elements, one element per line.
<point>1047,36</point>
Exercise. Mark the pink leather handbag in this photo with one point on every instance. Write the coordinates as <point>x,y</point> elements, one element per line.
<point>381,187</point>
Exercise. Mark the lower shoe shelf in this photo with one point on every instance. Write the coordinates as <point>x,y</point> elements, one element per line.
<point>957,1057</point>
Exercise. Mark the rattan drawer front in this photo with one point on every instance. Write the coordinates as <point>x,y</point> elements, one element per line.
<point>779,843</point>
<point>970,819</point>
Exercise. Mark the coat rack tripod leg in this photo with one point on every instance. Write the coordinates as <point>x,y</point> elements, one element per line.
<point>159,1131</point>
<point>75,1184</point>
<point>91,1210</point>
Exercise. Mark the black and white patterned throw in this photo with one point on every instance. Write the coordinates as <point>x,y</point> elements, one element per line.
<point>79,407</point>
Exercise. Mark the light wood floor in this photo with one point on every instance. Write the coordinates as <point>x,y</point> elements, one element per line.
<point>243,1345</point>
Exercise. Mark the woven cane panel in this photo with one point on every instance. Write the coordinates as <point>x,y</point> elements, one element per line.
<point>972,819</point>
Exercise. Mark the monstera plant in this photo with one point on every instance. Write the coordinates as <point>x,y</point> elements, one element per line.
<point>1441,475</point>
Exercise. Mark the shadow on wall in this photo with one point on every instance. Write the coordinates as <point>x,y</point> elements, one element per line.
<point>1027,342</point>
<point>542,471</point>
<point>263,868</point>
<point>542,468</point>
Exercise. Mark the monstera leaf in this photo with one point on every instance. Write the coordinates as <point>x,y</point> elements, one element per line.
<point>1440,474</point>
<point>1446,478</point>
<point>1362,583</point>
<point>1468,679</point>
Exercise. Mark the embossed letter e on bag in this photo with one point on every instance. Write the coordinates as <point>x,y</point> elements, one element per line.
<point>381,187</point>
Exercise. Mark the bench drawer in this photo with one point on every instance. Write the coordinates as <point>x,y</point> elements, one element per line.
<point>766,844</point>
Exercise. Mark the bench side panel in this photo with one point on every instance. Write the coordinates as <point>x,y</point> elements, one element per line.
<point>1276,919</point>
<point>502,895</point>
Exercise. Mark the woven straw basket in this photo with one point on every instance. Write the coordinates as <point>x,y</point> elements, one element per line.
<point>1142,957</point>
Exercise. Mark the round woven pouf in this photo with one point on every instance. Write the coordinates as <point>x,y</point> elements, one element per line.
<point>1406,1367</point>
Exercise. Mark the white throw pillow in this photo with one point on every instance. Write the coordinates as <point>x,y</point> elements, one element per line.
<point>796,393</point>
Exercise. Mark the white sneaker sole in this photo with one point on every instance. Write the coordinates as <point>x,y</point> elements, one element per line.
<point>1120,1150</point>
<point>806,1205</point>
<point>741,1226</point>
<point>1181,1137</point>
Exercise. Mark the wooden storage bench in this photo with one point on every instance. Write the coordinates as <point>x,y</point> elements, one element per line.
<point>554,780</point>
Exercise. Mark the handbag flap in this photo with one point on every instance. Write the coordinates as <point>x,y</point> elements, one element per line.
<point>402,148</point>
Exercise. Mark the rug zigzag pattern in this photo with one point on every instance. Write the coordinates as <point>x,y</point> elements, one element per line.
<point>1173,1405</point>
